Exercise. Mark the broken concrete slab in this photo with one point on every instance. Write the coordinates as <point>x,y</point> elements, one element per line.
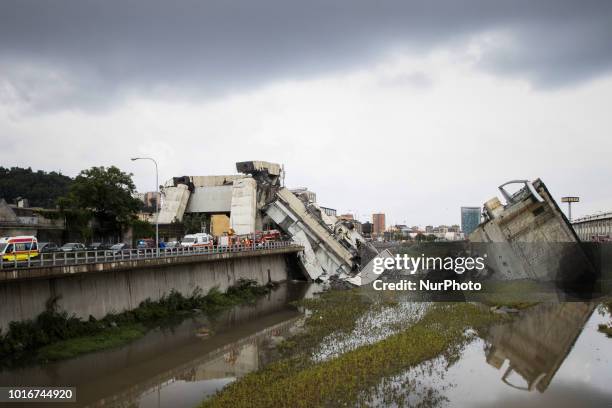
<point>529,237</point>
<point>367,274</point>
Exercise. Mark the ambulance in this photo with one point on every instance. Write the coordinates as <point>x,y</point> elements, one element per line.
<point>197,240</point>
<point>20,248</point>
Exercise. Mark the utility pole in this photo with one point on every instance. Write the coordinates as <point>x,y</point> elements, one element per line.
<point>156,199</point>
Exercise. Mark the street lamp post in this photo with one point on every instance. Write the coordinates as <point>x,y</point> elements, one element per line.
<point>156,199</point>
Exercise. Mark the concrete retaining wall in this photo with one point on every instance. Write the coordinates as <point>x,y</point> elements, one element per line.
<point>98,294</point>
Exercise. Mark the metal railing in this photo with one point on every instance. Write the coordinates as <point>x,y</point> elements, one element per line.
<point>593,217</point>
<point>92,257</point>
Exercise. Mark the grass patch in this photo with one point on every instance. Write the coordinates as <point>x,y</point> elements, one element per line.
<point>516,294</point>
<point>54,334</point>
<point>333,311</point>
<point>114,337</point>
<point>296,381</point>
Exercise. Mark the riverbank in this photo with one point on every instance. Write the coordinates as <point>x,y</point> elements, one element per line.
<point>54,335</point>
<point>299,380</point>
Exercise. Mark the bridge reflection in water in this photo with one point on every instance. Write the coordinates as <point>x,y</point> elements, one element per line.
<point>551,354</point>
<point>536,343</point>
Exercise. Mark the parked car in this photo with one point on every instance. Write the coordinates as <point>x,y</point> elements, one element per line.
<point>117,248</point>
<point>145,243</point>
<point>72,247</point>
<point>172,244</point>
<point>98,246</point>
<point>47,247</point>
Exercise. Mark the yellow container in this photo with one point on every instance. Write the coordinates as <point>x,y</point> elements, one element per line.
<point>219,224</point>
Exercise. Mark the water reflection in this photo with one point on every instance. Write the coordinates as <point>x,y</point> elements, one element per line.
<point>536,343</point>
<point>189,384</point>
<point>177,366</point>
<point>555,349</point>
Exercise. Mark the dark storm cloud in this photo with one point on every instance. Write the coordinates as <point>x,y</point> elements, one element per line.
<point>78,52</point>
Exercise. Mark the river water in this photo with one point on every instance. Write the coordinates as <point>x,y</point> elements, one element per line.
<point>549,355</point>
<point>175,366</point>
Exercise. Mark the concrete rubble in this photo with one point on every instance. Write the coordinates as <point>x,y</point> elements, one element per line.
<point>331,247</point>
<point>529,237</point>
<point>254,197</point>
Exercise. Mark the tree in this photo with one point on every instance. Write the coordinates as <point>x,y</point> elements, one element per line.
<point>397,235</point>
<point>107,193</point>
<point>193,222</point>
<point>142,229</point>
<point>42,189</point>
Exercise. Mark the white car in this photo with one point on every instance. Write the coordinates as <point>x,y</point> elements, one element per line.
<point>172,244</point>
<point>197,240</point>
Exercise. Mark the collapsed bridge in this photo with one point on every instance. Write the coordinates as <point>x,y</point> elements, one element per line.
<point>256,198</point>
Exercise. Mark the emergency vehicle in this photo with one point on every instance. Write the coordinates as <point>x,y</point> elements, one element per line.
<point>20,248</point>
<point>197,240</point>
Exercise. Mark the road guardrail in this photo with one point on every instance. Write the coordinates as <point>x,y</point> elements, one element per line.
<point>91,257</point>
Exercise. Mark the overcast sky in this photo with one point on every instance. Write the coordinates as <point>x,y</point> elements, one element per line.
<point>409,108</point>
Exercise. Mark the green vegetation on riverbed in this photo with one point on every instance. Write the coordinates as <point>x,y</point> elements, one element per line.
<point>296,381</point>
<point>113,337</point>
<point>606,328</point>
<point>516,294</point>
<point>55,335</point>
